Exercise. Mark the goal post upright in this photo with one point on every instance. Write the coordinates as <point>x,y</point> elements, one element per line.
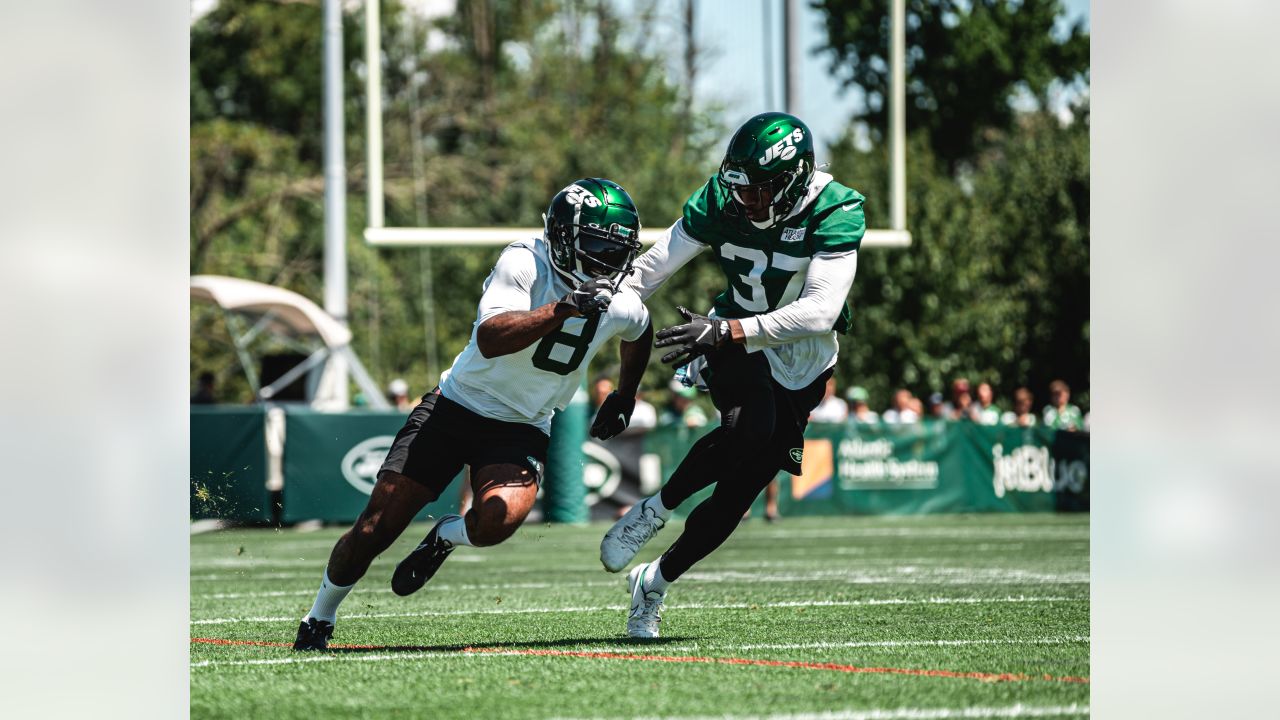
<point>897,116</point>
<point>373,109</point>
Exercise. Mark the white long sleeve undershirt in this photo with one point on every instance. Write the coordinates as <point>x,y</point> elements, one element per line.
<point>826,285</point>
<point>672,251</point>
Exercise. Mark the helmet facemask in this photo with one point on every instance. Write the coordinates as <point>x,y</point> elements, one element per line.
<point>767,203</point>
<point>584,237</point>
<point>604,253</point>
<point>767,169</point>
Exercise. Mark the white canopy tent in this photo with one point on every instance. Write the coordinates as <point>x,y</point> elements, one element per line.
<point>253,308</point>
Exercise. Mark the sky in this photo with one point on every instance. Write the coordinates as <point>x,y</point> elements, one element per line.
<point>737,58</point>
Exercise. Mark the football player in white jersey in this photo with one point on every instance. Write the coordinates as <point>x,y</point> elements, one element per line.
<point>547,307</point>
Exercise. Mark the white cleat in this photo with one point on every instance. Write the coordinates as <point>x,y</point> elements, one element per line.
<point>628,535</point>
<point>646,605</point>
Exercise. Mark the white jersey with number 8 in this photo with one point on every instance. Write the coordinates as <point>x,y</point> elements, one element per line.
<point>527,386</point>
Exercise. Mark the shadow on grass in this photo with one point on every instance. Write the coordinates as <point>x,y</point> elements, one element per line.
<point>614,642</point>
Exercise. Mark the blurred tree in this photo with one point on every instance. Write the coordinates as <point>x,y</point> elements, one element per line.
<point>995,285</point>
<point>263,62</point>
<point>512,101</point>
<point>966,60</point>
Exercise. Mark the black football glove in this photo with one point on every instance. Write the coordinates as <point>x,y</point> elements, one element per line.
<point>591,297</point>
<point>613,416</point>
<point>699,336</point>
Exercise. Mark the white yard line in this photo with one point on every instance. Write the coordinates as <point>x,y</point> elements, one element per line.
<point>800,564</point>
<point>691,606</point>
<point>994,534</point>
<point>908,575</point>
<point>978,577</point>
<point>441,587</point>
<point>971,713</point>
<point>251,562</point>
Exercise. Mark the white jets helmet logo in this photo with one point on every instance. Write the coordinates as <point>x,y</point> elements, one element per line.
<point>784,149</point>
<point>579,195</point>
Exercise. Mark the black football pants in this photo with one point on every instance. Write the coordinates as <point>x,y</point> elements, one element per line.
<point>761,423</point>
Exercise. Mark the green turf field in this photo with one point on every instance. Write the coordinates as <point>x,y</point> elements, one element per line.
<point>826,617</point>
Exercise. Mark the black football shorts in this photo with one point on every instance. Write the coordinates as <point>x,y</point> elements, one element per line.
<point>441,436</point>
<point>741,382</point>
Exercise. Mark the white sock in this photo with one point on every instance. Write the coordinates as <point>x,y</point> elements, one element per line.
<point>454,531</point>
<point>655,502</point>
<point>328,599</point>
<point>653,579</point>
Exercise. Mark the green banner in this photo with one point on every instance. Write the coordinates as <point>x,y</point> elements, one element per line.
<point>331,463</point>
<point>919,468</point>
<point>229,463</point>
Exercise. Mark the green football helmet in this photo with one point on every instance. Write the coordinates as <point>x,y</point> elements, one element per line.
<point>593,229</point>
<point>768,166</point>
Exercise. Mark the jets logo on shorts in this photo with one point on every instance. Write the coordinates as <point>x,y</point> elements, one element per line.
<point>533,463</point>
<point>797,454</point>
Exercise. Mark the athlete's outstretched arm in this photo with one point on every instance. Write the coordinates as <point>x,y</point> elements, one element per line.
<point>675,248</point>
<point>614,414</point>
<point>826,285</point>
<point>634,357</point>
<point>515,330</point>
<point>508,324</point>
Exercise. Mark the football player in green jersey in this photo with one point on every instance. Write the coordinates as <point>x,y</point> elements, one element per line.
<point>786,237</point>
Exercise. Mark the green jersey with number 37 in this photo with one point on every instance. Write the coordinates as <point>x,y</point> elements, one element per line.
<point>787,283</point>
<point>766,268</point>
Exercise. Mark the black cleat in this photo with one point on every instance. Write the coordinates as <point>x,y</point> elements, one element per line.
<point>415,570</point>
<point>313,634</point>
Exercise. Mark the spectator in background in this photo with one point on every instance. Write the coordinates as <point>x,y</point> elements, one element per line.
<point>985,411</point>
<point>398,389</point>
<point>600,389</point>
<point>643,418</point>
<point>681,408</point>
<point>1021,415</point>
<point>1060,413</point>
<point>960,400</point>
<point>204,390</point>
<point>901,413</point>
<point>938,408</point>
<point>832,409</point>
<point>860,412</point>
